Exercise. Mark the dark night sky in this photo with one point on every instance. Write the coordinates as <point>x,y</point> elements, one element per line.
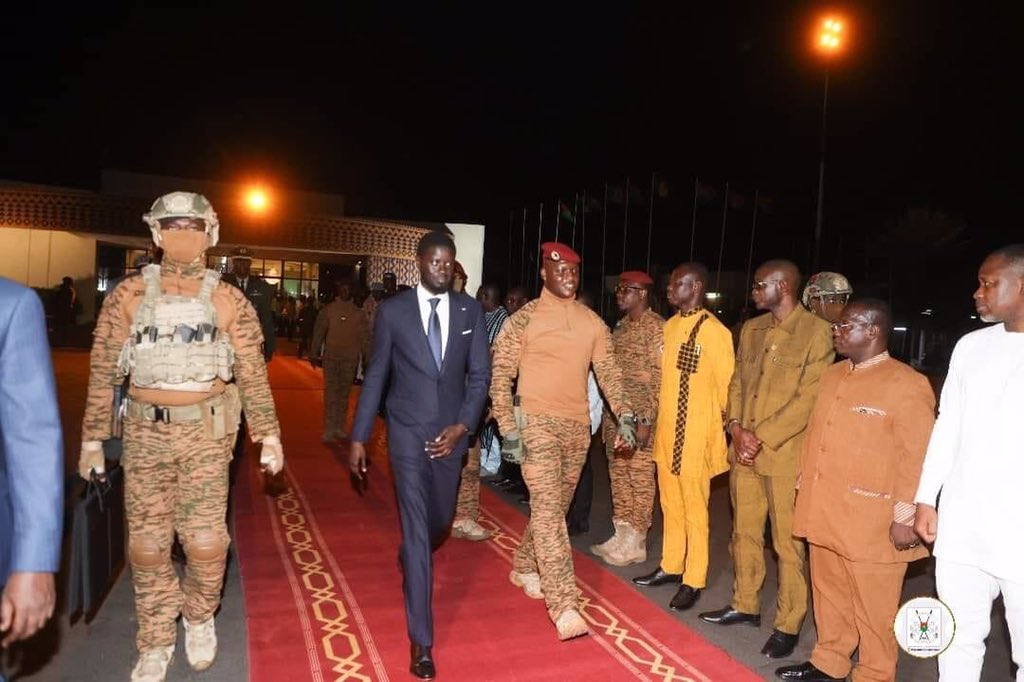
<point>442,115</point>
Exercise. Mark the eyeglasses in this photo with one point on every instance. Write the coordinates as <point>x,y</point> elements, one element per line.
<point>626,287</point>
<point>847,326</point>
<point>765,283</point>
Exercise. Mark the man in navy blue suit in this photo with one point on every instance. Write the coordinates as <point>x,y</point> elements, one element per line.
<point>31,465</point>
<point>432,343</point>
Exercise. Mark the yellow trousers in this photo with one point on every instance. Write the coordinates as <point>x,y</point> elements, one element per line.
<point>754,499</point>
<point>684,541</point>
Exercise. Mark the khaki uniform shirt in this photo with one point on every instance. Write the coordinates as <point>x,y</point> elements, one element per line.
<point>862,458</point>
<point>775,383</point>
<point>550,343</point>
<point>342,332</point>
<point>638,347</point>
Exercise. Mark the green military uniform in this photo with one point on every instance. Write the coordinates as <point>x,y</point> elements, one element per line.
<point>340,336</point>
<point>772,393</point>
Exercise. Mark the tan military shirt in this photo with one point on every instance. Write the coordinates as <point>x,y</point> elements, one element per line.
<point>342,330</point>
<point>862,458</point>
<point>550,343</point>
<point>638,347</point>
<point>773,389</point>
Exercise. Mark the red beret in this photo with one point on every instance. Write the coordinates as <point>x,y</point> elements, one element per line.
<point>558,252</point>
<point>636,277</point>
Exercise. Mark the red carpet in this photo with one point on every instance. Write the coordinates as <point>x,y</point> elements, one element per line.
<point>323,589</point>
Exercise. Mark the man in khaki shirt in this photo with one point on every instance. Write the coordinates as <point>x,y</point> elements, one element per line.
<point>341,335</point>
<point>780,358</point>
<point>859,471</point>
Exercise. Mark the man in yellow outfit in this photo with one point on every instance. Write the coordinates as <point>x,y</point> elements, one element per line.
<point>781,356</point>
<point>689,443</point>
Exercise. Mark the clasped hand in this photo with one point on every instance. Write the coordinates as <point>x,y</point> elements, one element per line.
<point>746,444</point>
<point>445,442</point>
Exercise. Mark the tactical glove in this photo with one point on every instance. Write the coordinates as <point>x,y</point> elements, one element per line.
<point>91,459</point>
<point>272,455</point>
<point>627,429</point>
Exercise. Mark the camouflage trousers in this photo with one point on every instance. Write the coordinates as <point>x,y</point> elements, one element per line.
<point>467,507</point>
<point>555,451</point>
<point>176,481</point>
<point>632,483</point>
<point>338,376</point>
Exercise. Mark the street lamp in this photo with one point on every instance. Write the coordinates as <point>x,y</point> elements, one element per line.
<point>256,200</point>
<point>829,41</point>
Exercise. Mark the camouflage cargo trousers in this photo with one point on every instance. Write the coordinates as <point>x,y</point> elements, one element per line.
<point>338,377</point>
<point>176,481</point>
<point>467,507</point>
<point>632,479</point>
<point>555,451</point>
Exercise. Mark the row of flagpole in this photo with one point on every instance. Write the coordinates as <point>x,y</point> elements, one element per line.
<point>584,203</point>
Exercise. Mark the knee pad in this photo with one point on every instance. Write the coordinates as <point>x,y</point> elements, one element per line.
<point>144,551</point>
<point>206,545</point>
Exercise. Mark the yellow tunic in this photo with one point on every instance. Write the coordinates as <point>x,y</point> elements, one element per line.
<point>704,453</point>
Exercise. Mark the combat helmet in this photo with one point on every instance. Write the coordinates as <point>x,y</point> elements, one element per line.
<point>183,205</point>
<point>826,284</point>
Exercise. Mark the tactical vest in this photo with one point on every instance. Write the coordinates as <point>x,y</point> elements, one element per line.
<point>175,344</point>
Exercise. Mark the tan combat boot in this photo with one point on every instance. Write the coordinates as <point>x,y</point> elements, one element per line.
<point>611,544</point>
<point>200,644</point>
<point>530,582</point>
<point>469,530</point>
<point>632,550</point>
<point>570,625</point>
<point>152,664</point>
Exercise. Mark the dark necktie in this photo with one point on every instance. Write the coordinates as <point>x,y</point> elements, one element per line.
<point>434,332</point>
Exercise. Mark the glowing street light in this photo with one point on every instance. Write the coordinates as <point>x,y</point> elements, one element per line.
<point>256,200</point>
<point>829,42</point>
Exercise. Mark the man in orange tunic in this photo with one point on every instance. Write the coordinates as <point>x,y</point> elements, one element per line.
<point>859,471</point>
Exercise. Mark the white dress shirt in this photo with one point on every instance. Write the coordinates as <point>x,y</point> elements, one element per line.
<point>423,297</point>
<point>596,402</point>
<point>975,457</point>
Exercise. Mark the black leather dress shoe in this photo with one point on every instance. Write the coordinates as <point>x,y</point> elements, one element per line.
<point>685,598</point>
<point>730,616</point>
<point>658,577</point>
<point>779,645</point>
<point>422,665</point>
<point>806,672</point>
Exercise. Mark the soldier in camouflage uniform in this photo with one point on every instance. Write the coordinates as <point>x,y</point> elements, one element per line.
<point>550,344</point>
<point>192,350</point>
<point>826,294</point>
<point>341,334</point>
<point>638,344</point>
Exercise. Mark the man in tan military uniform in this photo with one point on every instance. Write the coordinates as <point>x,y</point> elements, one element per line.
<point>826,294</point>
<point>551,343</point>
<point>780,358</point>
<point>180,336</point>
<point>859,471</point>
<point>341,335</point>
<point>638,344</point>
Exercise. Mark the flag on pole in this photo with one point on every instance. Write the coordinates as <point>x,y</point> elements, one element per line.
<point>765,204</point>
<point>616,194</point>
<point>706,193</point>
<point>566,213</point>
<point>737,201</point>
<point>662,189</point>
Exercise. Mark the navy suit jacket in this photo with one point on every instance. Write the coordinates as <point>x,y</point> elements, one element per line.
<point>420,399</point>
<point>31,444</point>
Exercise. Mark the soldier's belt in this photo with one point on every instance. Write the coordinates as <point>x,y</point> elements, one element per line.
<point>173,413</point>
